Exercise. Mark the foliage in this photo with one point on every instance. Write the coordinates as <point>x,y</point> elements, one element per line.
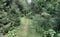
<point>8,16</point>
<point>45,16</point>
<point>12,33</point>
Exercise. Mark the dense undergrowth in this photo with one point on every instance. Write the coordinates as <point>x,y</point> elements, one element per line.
<point>37,18</point>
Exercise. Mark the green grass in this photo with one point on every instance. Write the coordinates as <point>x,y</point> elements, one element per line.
<point>30,29</point>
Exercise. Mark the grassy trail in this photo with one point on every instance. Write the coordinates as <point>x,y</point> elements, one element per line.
<point>26,29</point>
<point>23,31</point>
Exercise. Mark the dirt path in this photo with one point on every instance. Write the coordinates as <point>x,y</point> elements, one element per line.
<point>23,29</point>
<point>25,22</point>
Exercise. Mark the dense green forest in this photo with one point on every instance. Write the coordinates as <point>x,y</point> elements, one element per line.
<point>29,18</point>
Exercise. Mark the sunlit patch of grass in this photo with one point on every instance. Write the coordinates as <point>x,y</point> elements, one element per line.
<point>24,23</point>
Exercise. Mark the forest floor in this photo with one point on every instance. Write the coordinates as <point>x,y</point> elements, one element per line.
<point>23,31</point>
<point>26,29</point>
